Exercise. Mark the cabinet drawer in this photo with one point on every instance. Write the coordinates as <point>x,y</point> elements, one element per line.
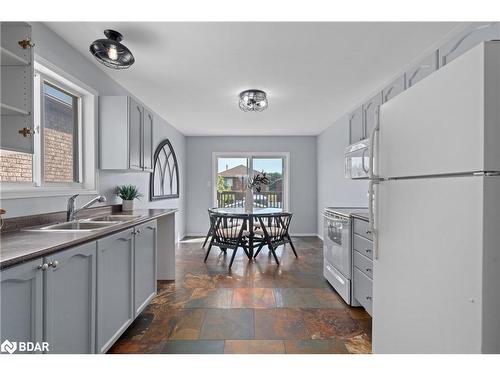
<point>363,245</point>
<point>363,290</point>
<point>361,228</point>
<point>363,263</point>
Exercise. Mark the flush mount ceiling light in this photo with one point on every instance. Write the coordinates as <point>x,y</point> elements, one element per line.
<point>253,100</point>
<point>111,52</point>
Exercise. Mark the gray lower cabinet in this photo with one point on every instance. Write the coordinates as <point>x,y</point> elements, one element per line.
<point>115,287</point>
<point>70,292</point>
<point>145,265</point>
<point>21,308</point>
<point>362,264</point>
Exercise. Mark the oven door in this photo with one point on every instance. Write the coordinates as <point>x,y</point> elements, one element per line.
<point>357,160</point>
<point>337,243</point>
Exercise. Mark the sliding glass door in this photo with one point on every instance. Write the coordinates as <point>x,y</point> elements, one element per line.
<point>233,171</point>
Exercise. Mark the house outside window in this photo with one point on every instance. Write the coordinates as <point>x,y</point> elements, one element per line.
<point>64,121</point>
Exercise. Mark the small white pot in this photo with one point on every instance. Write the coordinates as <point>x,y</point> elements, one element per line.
<point>127,205</point>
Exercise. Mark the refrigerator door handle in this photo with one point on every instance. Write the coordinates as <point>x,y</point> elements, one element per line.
<point>371,186</point>
<point>376,128</point>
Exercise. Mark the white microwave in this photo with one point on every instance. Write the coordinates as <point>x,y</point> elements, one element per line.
<point>357,160</point>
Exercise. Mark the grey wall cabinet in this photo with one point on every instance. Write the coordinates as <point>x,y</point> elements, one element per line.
<point>125,121</point>
<point>136,117</point>
<point>426,67</point>
<point>70,294</point>
<point>356,131</point>
<point>147,134</point>
<point>393,89</point>
<point>21,295</point>
<point>16,95</point>
<point>470,37</point>
<point>144,265</point>
<point>369,110</point>
<point>115,283</point>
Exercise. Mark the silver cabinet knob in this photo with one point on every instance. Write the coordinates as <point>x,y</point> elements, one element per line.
<point>368,298</point>
<point>368,270</point>
<point>54,264</point>
<point>43,267</point>
<point>368,250</point>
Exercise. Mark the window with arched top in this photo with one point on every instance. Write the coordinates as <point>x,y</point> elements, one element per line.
<point>164,182</point>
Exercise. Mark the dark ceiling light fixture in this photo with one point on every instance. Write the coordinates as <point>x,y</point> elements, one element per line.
<point>253,100</point>
<point>111,52</point>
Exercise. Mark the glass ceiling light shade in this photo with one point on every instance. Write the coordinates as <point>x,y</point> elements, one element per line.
<point>111,52</point>
<point>253,100</point>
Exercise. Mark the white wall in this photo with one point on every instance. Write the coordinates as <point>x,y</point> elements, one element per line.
<point>54,49</point>
<point>333,188</point>
<point>303,178</point>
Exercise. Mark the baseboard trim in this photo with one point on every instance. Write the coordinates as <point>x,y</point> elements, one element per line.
<point>304,234</point>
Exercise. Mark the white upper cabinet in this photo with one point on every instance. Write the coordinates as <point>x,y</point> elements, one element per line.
<point>393,89</point>
<point>426,67</point>
<point>16,96</point>
<point>470,37</point>
<point>369,110</point>
<point>356,132</point>
<point>125,134</point>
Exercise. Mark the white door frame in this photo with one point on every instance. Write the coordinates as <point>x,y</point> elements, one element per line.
<point>250,155</point>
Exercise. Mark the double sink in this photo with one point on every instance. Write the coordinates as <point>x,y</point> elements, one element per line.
<point>86,225</point>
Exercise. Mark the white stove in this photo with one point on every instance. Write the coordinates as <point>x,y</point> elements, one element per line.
<point>337,255</point>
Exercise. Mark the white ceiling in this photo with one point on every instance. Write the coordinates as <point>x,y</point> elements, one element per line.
<point>191,73</point>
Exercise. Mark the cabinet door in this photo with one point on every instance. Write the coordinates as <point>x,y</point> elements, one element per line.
<point>16,88</point>
<point>356,133</point>
<point>11,33</point>
<point>145,265</point>
<point>369,111</point>
<point>115,304</point>
<point>135,134</point>
<point>21,295</point>
<point>393,89</point>
<point>472,36</point>
<point>70,292</point>
<point>148,141</point>
<point>422,70</point>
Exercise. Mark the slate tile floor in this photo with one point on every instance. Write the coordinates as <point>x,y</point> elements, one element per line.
<point>255,308</point>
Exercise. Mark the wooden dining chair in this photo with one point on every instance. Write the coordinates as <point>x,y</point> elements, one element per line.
<point>274,232</point>
<point>228,233</point>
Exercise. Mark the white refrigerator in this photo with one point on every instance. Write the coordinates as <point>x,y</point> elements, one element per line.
<point>435,205</point>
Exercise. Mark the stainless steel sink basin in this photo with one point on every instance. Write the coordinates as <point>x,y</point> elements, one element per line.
<point>86,225</point>
<point>74,226</point>
<point>113,218</point>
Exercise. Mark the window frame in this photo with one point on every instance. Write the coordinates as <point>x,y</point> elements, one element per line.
<point>41,79</point>
<point>250,156</point>
<point>87,138</point>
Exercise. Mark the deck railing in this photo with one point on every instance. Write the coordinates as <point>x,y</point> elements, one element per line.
<point>266,199</point>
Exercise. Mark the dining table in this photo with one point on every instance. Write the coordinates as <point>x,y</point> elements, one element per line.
<point>250,215</point>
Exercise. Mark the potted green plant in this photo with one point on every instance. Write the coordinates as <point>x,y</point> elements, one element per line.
<point>128,193</point>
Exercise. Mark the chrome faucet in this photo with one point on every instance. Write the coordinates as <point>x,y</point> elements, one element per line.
<point>71,211</point>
